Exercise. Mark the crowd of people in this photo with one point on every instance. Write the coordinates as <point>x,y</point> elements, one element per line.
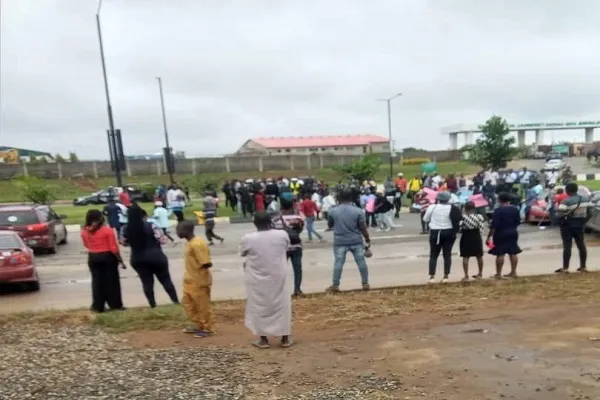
<point>282,209</point>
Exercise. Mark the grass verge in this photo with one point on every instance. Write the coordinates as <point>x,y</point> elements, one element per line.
<point>76,214</point>
<point>323,310</point>
<point>68,189</point>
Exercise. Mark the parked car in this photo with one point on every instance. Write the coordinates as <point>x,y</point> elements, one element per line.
<point>105,195</point>
<point>38,225</point>
<point>594,223</point>
<point>555,164</point>
<point>17,261</point>
<point>554,156</point>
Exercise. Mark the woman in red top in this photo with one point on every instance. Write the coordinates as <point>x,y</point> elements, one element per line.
<point>104,259</point>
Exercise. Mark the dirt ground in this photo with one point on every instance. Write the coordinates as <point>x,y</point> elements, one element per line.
<point>540,350</point>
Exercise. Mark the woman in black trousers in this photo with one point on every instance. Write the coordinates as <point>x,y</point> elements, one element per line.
<point>103,261</point>
<point>147,257</point>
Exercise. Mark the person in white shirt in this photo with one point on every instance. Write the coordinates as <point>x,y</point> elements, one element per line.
<point>436,180</point>
<point>511,177</point>
<point>444,220</point>
<point>317,199</point>
<point>491,176</point>
<point>551,178</point>
<point>523,177</point>
<point>328,204</point>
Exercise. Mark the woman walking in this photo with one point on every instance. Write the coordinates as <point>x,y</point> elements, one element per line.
<point>444,221</point>
<point>504,235</point>
<point>269,307</point>
<point>147,257</point>
<point>103,261</point>
<point>471,243</point>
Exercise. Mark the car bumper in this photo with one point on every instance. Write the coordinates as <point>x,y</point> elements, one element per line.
<point>38,242</point>
<point>18,274</point>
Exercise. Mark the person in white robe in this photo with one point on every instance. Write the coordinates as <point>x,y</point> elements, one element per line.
<point>268,304</point>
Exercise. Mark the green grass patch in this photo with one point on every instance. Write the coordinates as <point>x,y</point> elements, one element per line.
<point>592,185</point>
<point>76,214</point>
<point>349,308</point>
<point>69,189</point>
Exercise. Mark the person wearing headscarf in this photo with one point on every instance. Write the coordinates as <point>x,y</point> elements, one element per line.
<point>104,259</point>
<point>268,304</point>
<point>444,221</point>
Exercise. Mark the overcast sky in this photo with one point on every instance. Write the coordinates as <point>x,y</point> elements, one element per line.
<point>237,69</point>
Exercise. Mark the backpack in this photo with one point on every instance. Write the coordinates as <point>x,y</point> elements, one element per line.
<point>292,233</point>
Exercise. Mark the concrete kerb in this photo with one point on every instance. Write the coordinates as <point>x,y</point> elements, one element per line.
<point>218,220</point>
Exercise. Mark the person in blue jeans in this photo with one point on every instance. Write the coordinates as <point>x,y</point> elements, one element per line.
<point>309,209</point>
<point>349,228</point>
<point>288,219</point>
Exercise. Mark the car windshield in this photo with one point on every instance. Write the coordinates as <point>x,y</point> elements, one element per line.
<point>9,242</point>
<point>18,218</point>
<point>554,162</point>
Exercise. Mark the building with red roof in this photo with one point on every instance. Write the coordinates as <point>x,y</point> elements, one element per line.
<point>344,144</point>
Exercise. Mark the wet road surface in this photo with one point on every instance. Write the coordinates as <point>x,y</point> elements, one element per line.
<point>400,258</point>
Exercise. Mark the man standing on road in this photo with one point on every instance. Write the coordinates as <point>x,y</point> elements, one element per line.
<point>349,229</point>
<point>573,213</point>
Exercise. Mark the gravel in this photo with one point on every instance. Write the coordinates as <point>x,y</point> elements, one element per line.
<point>82,362</point>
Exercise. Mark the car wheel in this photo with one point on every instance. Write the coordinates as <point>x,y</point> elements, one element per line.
<point>64,241</point>
<point>54,248</point>
<point>34,286</point>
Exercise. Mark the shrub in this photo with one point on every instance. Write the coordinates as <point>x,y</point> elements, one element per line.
<point>34,189</point>
<point>415,161</point>
<point>362,169</point>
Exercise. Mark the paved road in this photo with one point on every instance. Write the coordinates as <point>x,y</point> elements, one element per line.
<point>399,258</point>
<point>579,165</point>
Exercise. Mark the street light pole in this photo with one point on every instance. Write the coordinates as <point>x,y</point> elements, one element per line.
<point>391,144</point>
<point>164,118</point>
<point>111,122</point>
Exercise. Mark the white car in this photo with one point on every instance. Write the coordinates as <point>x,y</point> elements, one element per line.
<point>555,164</point>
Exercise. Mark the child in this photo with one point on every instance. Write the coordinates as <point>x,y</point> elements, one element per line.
<point>471,244</point>
<point>197,282</point>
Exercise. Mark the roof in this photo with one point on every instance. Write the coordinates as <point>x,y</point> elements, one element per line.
<point>320,141</point>
<point>19,207</point>
<point>27,152</point>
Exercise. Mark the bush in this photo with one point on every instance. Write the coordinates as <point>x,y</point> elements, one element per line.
<point>199,184</point>
<point>415,161</point>
<point>34,189</point>
<point>365,168</point>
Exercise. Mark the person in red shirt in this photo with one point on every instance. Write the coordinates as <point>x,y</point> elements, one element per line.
<point>423,201</point>
<point>402,186</point>
<point>560,196</point>
<point>451,183</point>
<point>124,198</point>
<point>259,201</point>
<point>104,259</point>
<point>309,210</point>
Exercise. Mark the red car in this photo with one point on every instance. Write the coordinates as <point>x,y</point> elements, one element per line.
<point>38,225</point>
<point>17,261</point>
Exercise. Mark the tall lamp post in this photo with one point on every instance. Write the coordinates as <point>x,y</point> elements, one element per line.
<point>111,122</point>
<point>168,155</point>
<point>389,115</point>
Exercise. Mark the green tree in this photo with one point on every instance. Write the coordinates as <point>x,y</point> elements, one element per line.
<point>73,157</point>
<point>34,189</point>
<point>58,158</point>
<point>365,168</point>
<point>494,148</point>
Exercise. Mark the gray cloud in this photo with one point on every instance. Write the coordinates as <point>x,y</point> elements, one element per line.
<point>237,69</point>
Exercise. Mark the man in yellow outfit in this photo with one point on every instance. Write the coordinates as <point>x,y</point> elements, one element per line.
<point>197,282</point>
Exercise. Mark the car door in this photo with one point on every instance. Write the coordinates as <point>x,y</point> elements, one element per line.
<point>56,225</point>
<point>594,222</point>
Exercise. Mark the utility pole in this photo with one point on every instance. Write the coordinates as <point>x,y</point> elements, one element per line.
<point>111,122</point>
<point>169,154</point>
<point>391,142</point>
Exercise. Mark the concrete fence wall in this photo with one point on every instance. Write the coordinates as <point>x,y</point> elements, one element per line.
<point>96,169</point>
